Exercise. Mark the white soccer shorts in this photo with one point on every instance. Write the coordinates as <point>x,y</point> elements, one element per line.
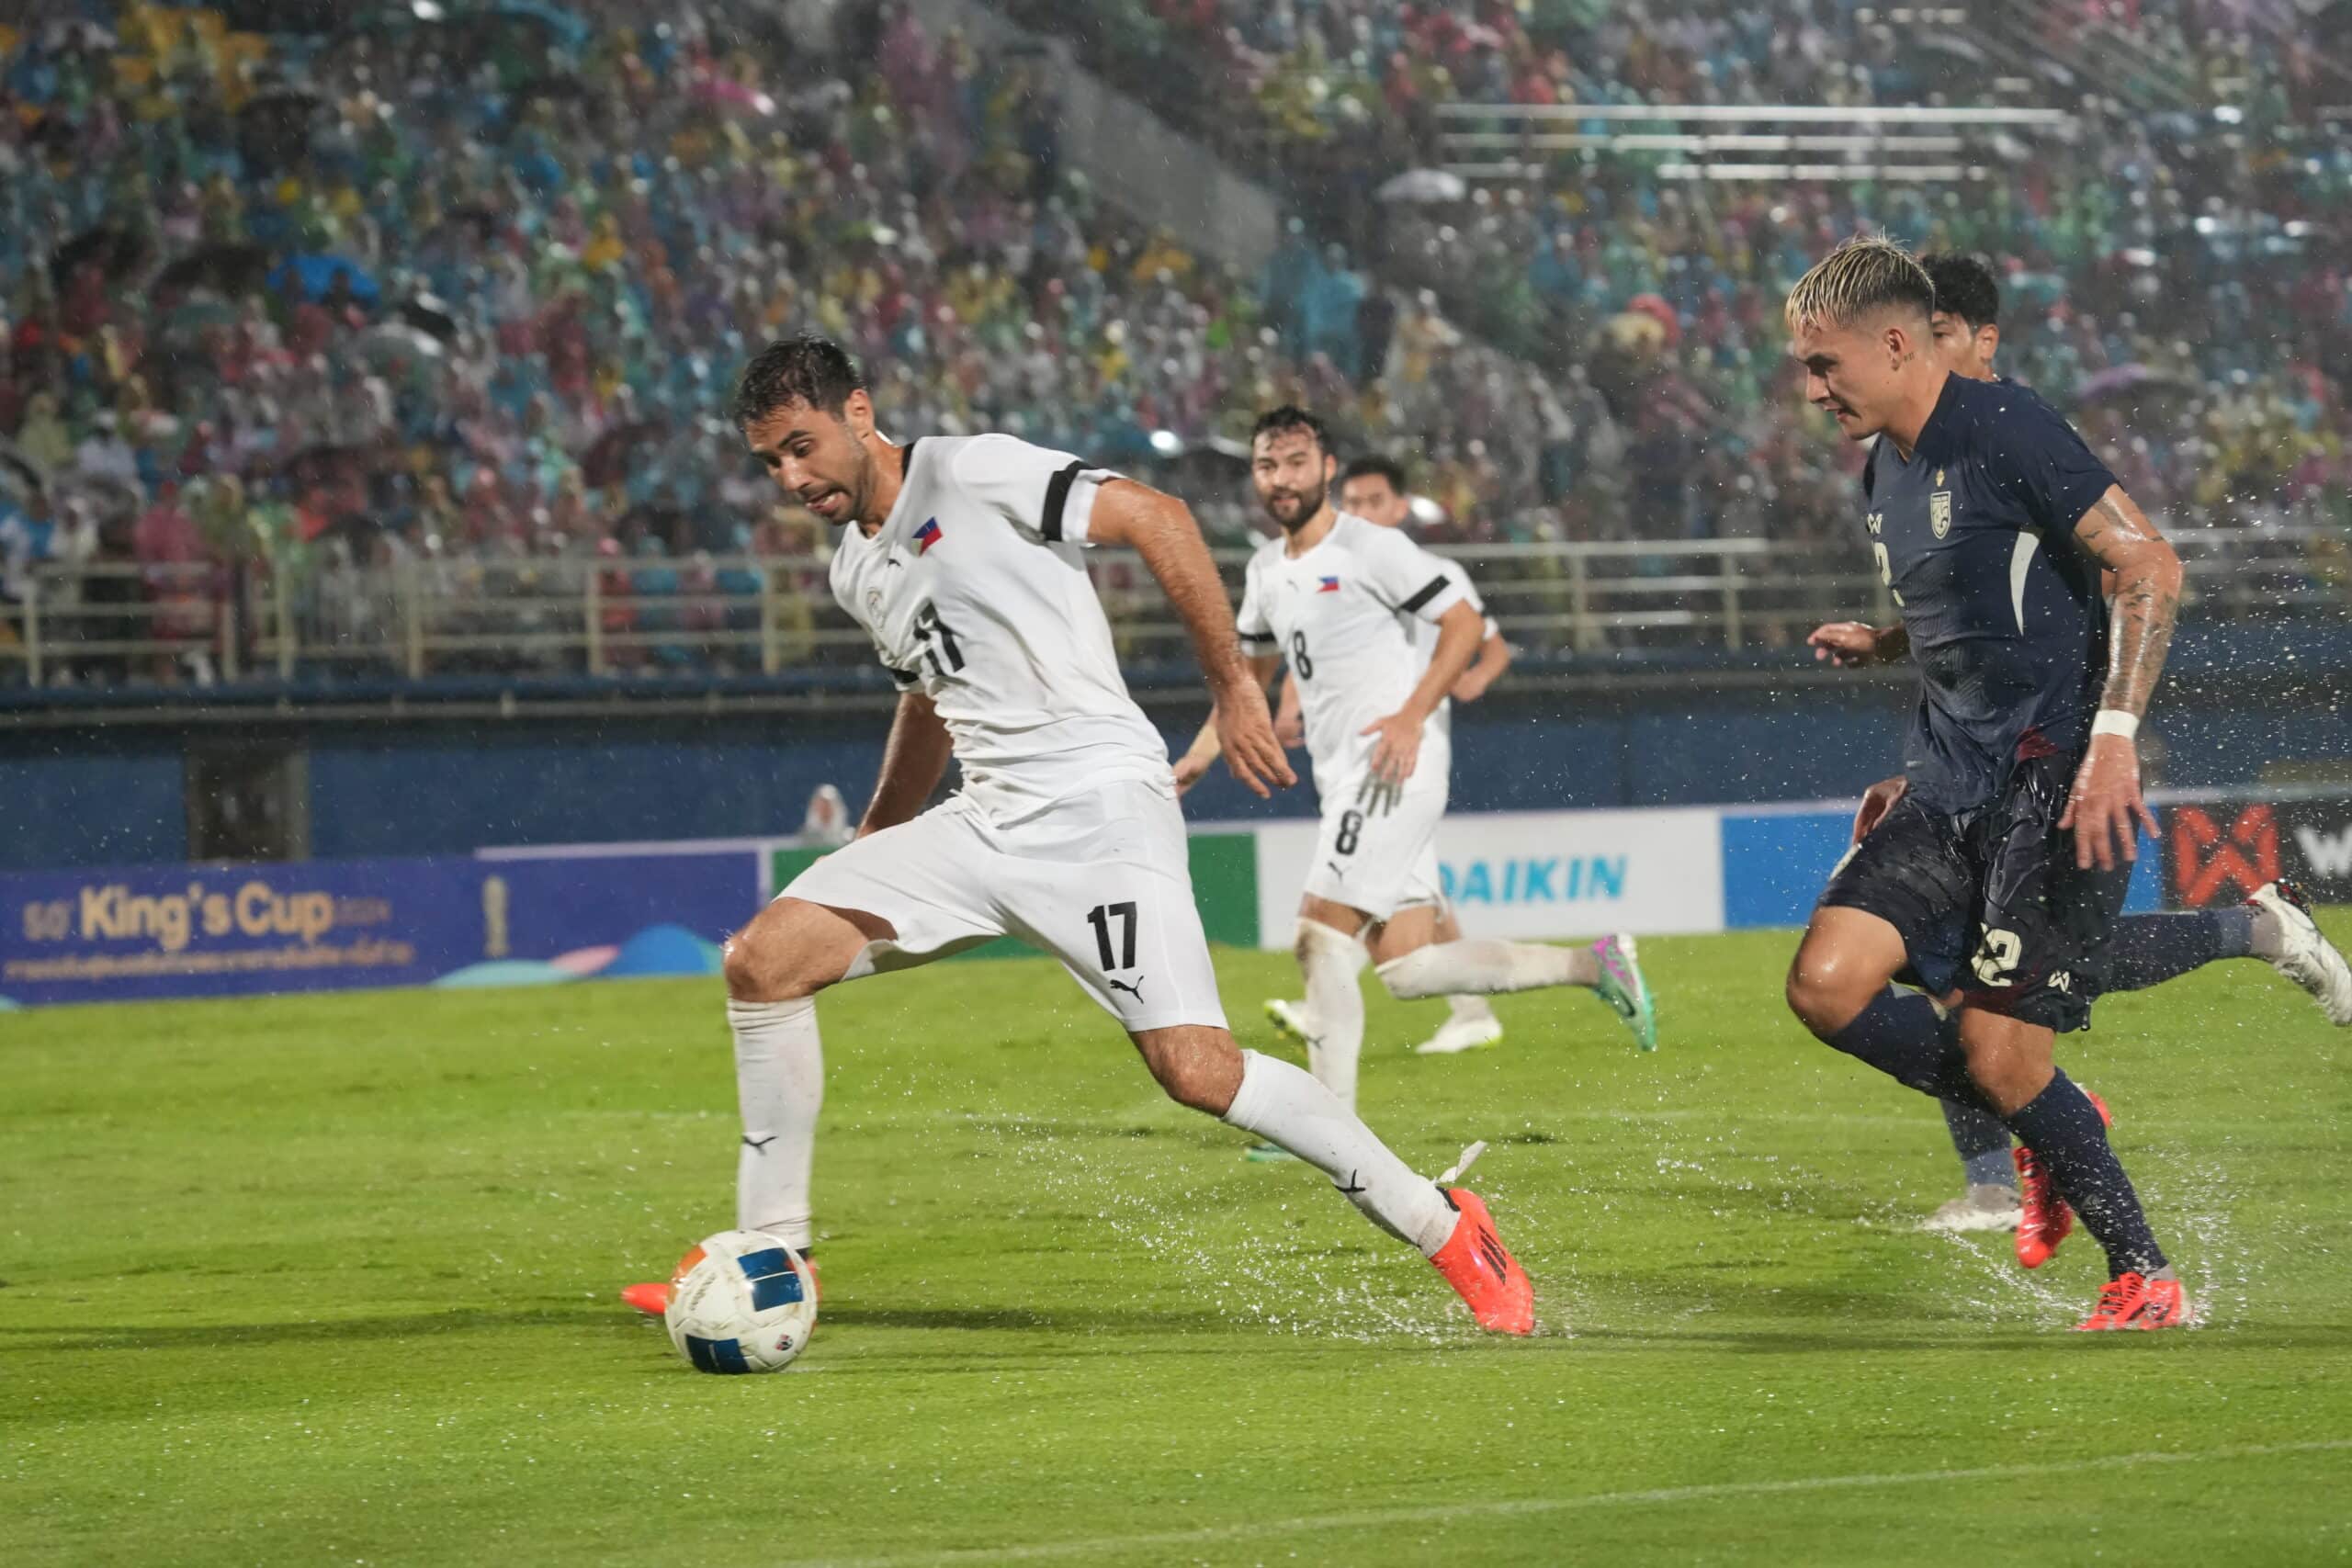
<point>1102,881</point>
<point>1377,851</point>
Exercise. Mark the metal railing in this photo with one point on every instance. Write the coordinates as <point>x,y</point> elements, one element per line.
<point>117,624</point>
<point>1725,141</point>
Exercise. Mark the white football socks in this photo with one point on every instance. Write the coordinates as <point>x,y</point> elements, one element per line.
<point>1286,1107</point>
<point>1483,966</point>
<point>1469,1010</point>
<point>780,1082</point>
<point>1331,961</point>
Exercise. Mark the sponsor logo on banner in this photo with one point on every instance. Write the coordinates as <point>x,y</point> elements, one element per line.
<point>2218,852</point>
<point>1540,875</point>
<point>160,931</point>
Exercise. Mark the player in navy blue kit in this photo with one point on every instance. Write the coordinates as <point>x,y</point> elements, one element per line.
<point>2001,869</point>
<point>2274,925</point>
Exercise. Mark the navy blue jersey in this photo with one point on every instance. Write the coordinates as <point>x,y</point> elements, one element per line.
<point>1974,536</point>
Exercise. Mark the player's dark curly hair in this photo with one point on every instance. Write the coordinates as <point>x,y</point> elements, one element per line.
<point>808,368</point>
<point>1373,466</point>
<point>1290,416</point>
<point>1965,287</point>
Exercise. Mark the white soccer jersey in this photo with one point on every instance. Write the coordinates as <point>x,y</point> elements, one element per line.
<point>1347,616</point>
<point>974,591</point>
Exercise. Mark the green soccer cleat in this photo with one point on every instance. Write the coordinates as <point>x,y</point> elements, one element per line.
<point>1622,988</point>
<point>1289,1019</point>
<point>1266,1153</point>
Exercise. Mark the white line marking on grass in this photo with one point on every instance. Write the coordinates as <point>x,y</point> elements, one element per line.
<point>1380,1518</point>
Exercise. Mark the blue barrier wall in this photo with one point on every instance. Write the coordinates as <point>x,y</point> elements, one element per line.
<point>112,796</point>
<point>446,795</point>
<point>110,806</point>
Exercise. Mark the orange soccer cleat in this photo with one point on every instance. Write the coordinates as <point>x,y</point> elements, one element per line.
<point>2136,1301</point>
<point>2043,1219</point>
<point>1482,1272</point>
<point>652,1297</point>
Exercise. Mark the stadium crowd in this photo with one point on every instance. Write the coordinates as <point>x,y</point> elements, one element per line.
<point>473,296</point>
<point>460,295</point>
<point>2177,276</point>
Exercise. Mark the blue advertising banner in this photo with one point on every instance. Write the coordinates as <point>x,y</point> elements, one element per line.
<point>200,930</point>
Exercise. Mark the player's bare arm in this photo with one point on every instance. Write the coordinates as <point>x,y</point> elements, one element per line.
<point>1206,746</point>
<point>2106,810</point>
<point>914,758</point>
<point>1494,657</point>
<point>1160,528</point>
<point>1398,747</point>
<point>1850,644</point>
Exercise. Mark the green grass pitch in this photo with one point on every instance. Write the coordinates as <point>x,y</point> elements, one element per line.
<point>331,1281</point>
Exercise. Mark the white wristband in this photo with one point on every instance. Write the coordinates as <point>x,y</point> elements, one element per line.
<point>2115,721</point>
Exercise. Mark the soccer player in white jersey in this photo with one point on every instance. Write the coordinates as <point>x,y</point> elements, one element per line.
<point>963,559</point>
<point>1337,597</point>
<point>1372,488</point>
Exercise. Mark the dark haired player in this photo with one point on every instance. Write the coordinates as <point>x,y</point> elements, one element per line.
<point>1373,487</point>
<point>2274,925</point>
<point>963,559</point>
<point>1349,606</point>
<point>2002,868</point>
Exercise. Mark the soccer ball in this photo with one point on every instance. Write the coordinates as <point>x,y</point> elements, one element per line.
<point>744,1302</point>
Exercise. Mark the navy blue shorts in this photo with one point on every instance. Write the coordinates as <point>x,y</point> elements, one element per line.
<point>1989,901</point>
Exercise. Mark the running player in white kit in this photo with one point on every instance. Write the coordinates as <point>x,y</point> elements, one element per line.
<point>1372,488</point>
<point>963,559</point>
<point>1338,598</point>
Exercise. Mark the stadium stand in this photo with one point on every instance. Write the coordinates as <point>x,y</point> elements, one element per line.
<point>393,350</point>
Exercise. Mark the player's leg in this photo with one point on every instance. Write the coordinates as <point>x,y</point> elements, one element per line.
<point>774,966</point>
<point>1988,1199</point>
<point>897,898</point>
<point>1331,957</point>
<point>1396,868</point>
<point>1840,987</point>
<point>1200,1067</point>
<point>1470,1021</point>
<point>2275,926</point>
<point>1106,888</point>
<point>2043,919</point>
<point>1898,905</point>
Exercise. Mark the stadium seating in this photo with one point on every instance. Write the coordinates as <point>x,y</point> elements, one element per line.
<point>416,293</point>
<point>413,303</point>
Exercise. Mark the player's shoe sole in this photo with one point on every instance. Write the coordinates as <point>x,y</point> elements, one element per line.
<point>1458,1034</point>
<point>1289,1020</point>
<point>1985,1207</point>
<point>1622,987</point>
<point>2133,1303</point>
<point>2308,958</point>
<point>1267,1154</point>
<point>1482,1270</point>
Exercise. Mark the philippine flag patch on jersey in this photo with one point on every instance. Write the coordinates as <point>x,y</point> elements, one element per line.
<point>1327,585</point>
<point>927,536</point>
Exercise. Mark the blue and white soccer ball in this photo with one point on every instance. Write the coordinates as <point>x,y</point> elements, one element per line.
<point>744,1302</point>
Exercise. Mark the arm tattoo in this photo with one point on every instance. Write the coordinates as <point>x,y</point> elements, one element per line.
<point>2147,599</point>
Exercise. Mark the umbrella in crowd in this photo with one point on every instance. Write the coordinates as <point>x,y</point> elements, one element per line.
<point>229,269</point>
<point>315,272</point>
